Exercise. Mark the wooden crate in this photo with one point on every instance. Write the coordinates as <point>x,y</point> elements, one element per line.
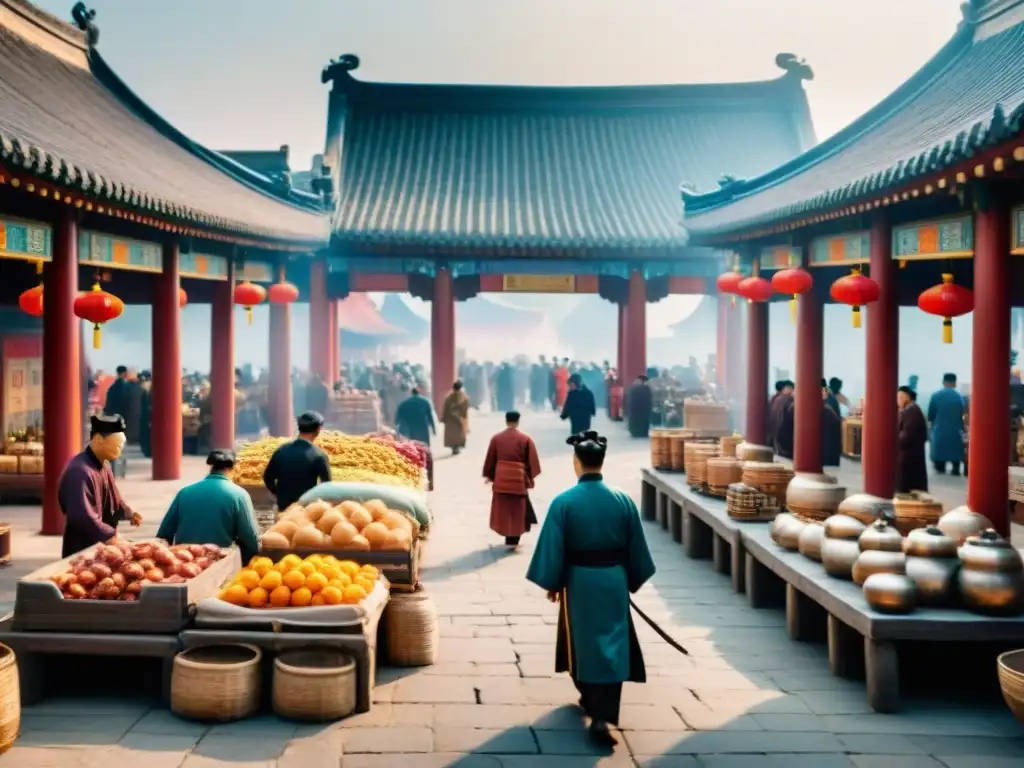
<point>30,465</point>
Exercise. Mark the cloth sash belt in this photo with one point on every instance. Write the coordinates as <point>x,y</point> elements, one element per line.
<point>510,478</point>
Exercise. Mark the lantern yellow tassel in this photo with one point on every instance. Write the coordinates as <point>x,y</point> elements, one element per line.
<point>97,336</point>
<point>792,309</point>
<point>732,302</point>
<point>947,330</point>
<point>248,314</point>
<point>856,317</point>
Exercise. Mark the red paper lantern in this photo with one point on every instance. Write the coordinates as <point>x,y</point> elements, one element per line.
<point>283,293</point>
<point>729,282</point>
<point>947,300</point>
<point>856,290</point>
<point>248,295</point>
<point>182,298</point>
<point>98,307</point>
<point>792,281</point>
<point>755,289</point>
<point>31,301</point>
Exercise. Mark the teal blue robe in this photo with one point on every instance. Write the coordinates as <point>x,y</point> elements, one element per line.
<point>212,511</point>
<point>596,639</point>
<point>946,417</point>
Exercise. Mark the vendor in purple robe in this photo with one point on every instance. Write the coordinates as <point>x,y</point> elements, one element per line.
<point>87,494</point>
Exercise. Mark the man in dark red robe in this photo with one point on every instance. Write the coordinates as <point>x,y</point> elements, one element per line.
<point>87,493</point>
<point>511,466</point>
<point>780,421</point>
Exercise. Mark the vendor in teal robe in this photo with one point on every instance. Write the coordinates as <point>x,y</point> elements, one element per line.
<point>946,419</point>
<point>213,511</point>
<point>591,554</point>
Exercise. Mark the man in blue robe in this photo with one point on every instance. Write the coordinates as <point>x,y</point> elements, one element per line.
<point>946,418</point>
<point>591,554</point>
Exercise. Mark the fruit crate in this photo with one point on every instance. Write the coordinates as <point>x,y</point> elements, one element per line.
<point>402,569</point>
<point>160,609</point>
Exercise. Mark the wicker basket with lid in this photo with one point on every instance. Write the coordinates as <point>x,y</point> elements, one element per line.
<point>661,457</point>
<point>750,505</point>
<point>752,452</point>
<point>915,510</point>
<point>729,443</point>
<point>677,448</point>
<point>696,474</point>
<point>721,472</point>
<point>691,445</point>
<point>769,478</point>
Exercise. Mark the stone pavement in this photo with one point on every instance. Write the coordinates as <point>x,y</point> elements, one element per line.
<point>746,696</point>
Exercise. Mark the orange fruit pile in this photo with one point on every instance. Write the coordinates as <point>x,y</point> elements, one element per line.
<point>317,580</point>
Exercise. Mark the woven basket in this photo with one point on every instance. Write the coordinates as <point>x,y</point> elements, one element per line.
<point>721,472</point>
<point>691,445</point>
<point>316,684</point>
<point>1011,681</point>
<point>751,452</point>
<point>412,630</point>
<point>10,699</point>
<point>696,474</point>
<point>677,450</point>
<point>748,504</point>
<point>772,479</point>
<point>216,683</point>
<point>661,457</point>
<point>728,444</point>
<point>915,510</point>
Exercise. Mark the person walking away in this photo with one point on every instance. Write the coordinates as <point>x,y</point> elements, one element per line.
<point>831,432</point>
<point>561,374</point>
<point>116,402</point>
<point>946,417</point>
<point>511,466</point>
<point>591,554</point>
<point>782,419</point>
<point>580,406</point>
<point>639,403</point>
<point>213,511</point>
<point>414,419</point>
<point>836,397</point>
<point>299,465</point>
<point>146,414</point>
<point>87,493</point>
<point>455,417</point>
<point>505,387</point>
<point>538,384</point>
<point>911,469</point>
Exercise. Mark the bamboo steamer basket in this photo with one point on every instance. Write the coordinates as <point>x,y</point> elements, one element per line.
<point>751,452</point>
<point>769,478</point>
<point>317,684</point>
<point>692,444</point>
<point>217,683</point>
<point>10,698</point>
<point>915,510</point>
<point>661,457</point>
<point>728,445</point>
<point>750,505</point>
<point>696,474</point>
<point>677,449</point>
<point>721,472</point>
<point>412,630</point>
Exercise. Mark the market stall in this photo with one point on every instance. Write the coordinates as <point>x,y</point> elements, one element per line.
<point>21,465</point>
<point>354,412</point>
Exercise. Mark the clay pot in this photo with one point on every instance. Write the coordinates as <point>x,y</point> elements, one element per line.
<point>839,547</point>
<point>960,523</point>
<point>933,564</point>
<point>786,530</point>
<point>813,495</point>
<point>863,507</point>
<point>891,593</point>
<point>882,536</point>
<point>991,577</point>
<point>872,561</point>
<point>811,538</point>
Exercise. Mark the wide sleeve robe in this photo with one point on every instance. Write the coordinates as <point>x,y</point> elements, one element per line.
<point>91,503</point>
<point>911,469</point>
<point>511,512</point>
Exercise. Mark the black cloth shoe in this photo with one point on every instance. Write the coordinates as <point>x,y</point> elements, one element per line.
<point>600,735</point>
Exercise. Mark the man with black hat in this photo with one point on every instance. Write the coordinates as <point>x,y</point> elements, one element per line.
<point>580,406</point>
<point>297,466</point>
<point>639,404</point>
<point>87,493</point>
<point>213,511</point>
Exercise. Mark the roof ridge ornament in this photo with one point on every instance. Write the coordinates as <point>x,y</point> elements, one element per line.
<point>85,20</point>
<point>339,68</point>
<point>794,66</point>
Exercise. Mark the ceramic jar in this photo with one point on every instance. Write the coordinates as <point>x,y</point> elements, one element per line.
<point>881,551</point>
<point>863,506</point>
<point>891,593</point>
<point>811,538</point>
<point>839,548</point>
<point>991,577</point>
<point>933,564</point>
<point>960,523</point>
<point>881,536</point>
<point>786,530</point>
<point>813,496</point>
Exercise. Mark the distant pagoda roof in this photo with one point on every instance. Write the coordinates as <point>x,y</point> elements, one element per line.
<point>967,98</point>
<point>66,116</point>
<point>522,168</point>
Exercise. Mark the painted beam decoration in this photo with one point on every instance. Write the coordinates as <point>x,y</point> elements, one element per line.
<point>779,257</point>
<point>203,266</point>
<point>25,240</point>
<point>951,238</point>
<point>256,272</point>
<point>1017,247</point>
<point>97,250</point>
<point>838,250</point>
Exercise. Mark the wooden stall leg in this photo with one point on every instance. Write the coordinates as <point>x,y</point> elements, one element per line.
<point>648,500</point>
<point>720,554</point>
<point>30,676</point>
<point>764,588</point>
<point>845,650</point>
<point>882,673</point>
<point>166,672</point>
<point>661,510</point>
<point>697,536</point>
<point>805,619</point>
<point>737,566</point>
<point>675,521</point>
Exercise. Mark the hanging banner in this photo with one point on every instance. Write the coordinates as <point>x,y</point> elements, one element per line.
<point>538,283</point>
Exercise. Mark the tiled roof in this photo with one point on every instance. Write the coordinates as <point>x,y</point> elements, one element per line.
<point>357,314</point>
<point>970,96</point>
<point>500,167</point>
<point>65,116</point>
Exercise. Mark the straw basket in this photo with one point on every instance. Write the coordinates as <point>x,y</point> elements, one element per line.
<point>1011,681</point>
<point>751,452</point>
<point>772,479</point>
<point>677,449</point>
<point>915,510</point>
<point>721,472</point>
<point>696,474</point>
<point>728,445</point>
<point>217,682</point>
<point>661,457</point>
<point>705,416</point>
<point>691,445</point>
<point>412,630</point>
<point>750,505</point>
<point>10,699</point>
<point>314,684</point>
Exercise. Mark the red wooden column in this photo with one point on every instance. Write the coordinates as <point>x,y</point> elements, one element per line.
<point>319,320</point>
<point>442,337</point>
<point>166,395</point>
<point>620,360</point>
<point>62,395</point>
<point>988,483</point>
<point>721,342</point>
<point>881,412</point>
<point>636,327</point>
<point>809,369</point>
<point>279,393</point>
<point>222,362</point>
<point>334,341</point>
<point>757,373</point>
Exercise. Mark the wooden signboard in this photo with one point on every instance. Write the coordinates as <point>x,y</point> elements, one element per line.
<point>539,283</point>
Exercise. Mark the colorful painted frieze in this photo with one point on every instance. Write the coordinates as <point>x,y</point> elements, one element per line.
<point>780,257</point>
<point>25,240</point>
<point>847,248</point>
<point>951,238</point>
<point>97,250</point>
<point>256,272</point>
<point>203,266</point>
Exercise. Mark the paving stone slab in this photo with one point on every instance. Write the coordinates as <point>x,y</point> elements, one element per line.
<point>899,760</point>
<point>245,749</point>
<point>496,741</point>
<point>732,742</point>
<point>880,744</point>
<point>824,760</point>
<point>391,740</point>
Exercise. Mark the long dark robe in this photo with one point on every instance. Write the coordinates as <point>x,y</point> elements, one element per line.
<point>146,424</point>
<point>579,409</point>
<point>639,402</point>
<point>771,421</point>
<point>831,437</point>
<point>117,398</point>
<point>414,419</point>
<point>506,388</point>
<point>784,414</point>
<point>90,501</point>
<point>911,469</point>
